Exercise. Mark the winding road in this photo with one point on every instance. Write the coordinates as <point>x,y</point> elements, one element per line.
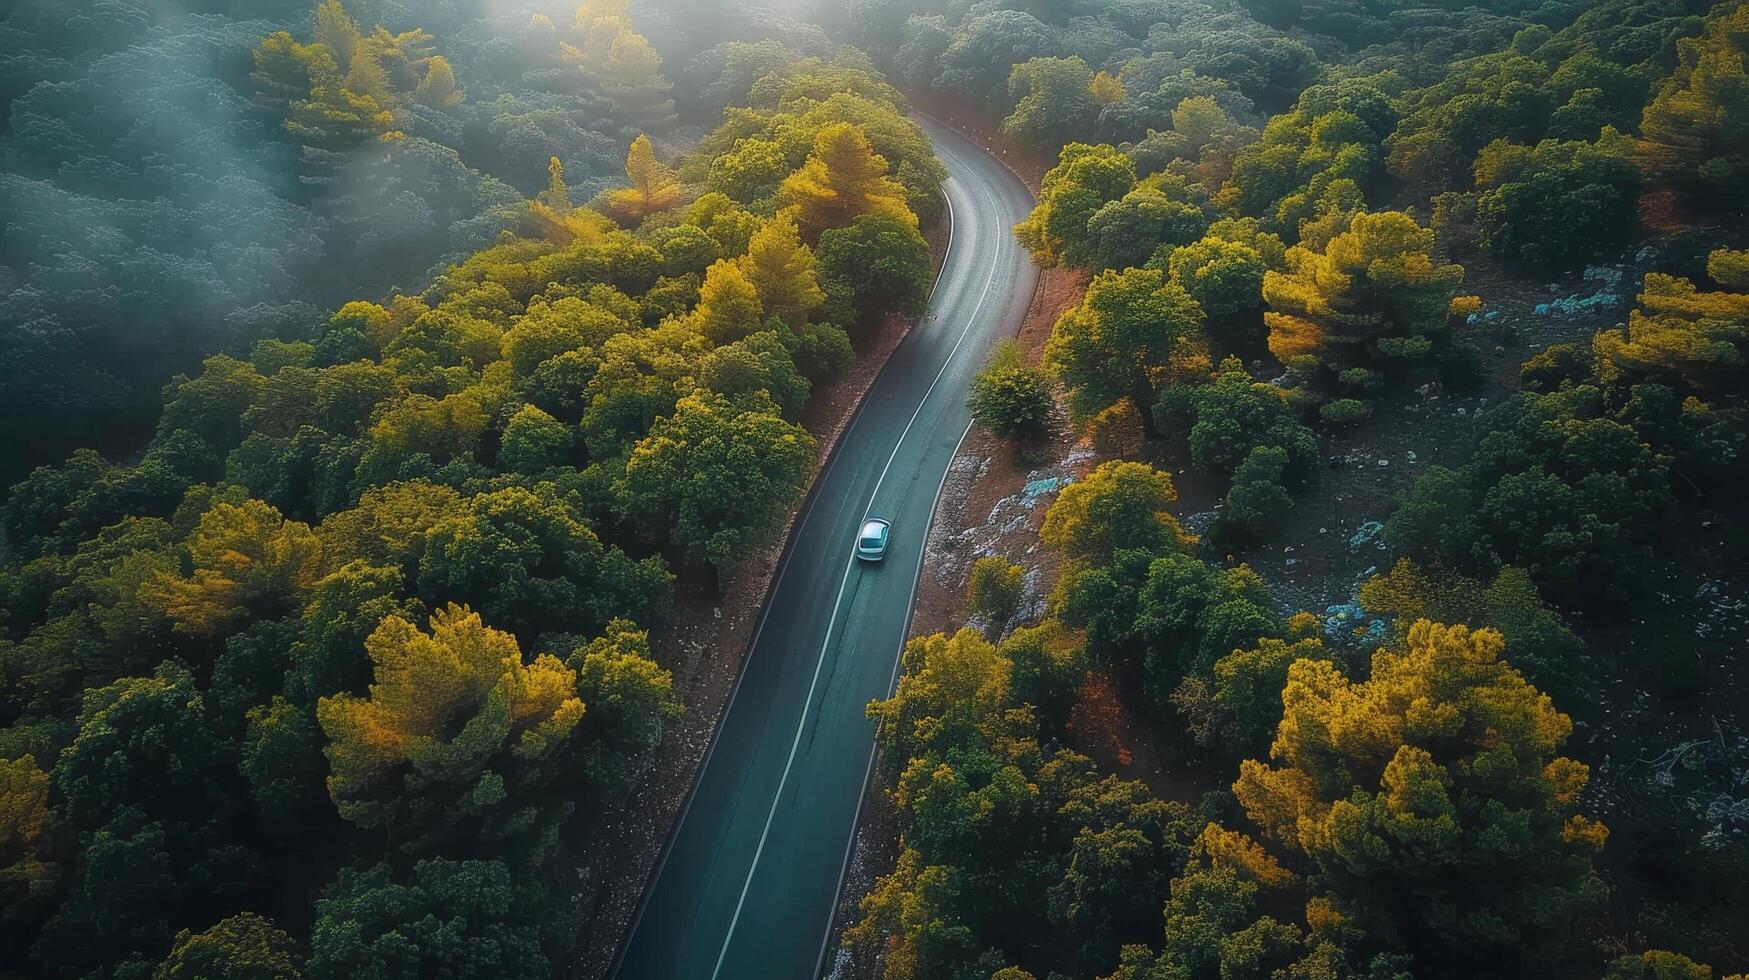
<point>748,880</point>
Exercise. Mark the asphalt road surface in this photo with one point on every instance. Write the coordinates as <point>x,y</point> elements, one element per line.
<point>747,883</point>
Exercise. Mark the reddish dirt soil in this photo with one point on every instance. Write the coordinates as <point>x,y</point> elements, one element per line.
<point>704,646</point>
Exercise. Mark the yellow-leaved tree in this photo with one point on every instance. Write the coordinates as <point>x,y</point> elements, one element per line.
<point>843,179</point>
<point>1430,798</point>
<point>1696,341</point>
<point>247,562</point>
<point>456,724</point>
<point>653,187</point>
<point>781,268</point>
<point>1373,295</point>
<point>728,304</point>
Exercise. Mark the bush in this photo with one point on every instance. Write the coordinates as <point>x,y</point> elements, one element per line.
<point>994,591</point>
<point>1257,501</point>
<point>1011,397</point>
<point>1346,411</point>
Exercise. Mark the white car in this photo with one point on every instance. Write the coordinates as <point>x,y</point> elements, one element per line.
<point>871,541</point>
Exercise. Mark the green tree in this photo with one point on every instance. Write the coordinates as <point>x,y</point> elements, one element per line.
<point>1085,179</point>
<point>1225,278</point>
<point>1053,101</point>
<point>994,590</point>
<point>525,560</point>
<point>878,263</point>
<point>631,704</point>
<point>1235,414</point>
<point>1559,204</point>
<point>460,919</point>
<point>1257,502</point>
<point>1120,505</point>
<point>144,745</point>
<point>677,476</point>
<point>533,442</point>
<point>242,947</point>
<point>1130,333</point>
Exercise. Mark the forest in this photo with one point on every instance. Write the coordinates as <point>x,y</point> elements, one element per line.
<point>383,381</point>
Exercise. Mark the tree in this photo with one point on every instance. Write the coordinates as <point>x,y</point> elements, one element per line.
<point>282,761</point>
<point>456,726</point>
<point>1559,204</point>
<point>728,304</point>
<point>1053,101</point>
<point>242,947</point>
<point>1694,133</point>
<point>1158,213</point>
<point>144,745</point>
<point>631,704</point>
<point>533,442</point>
<point>455,918</point>
<point>1132,330</point>
<point>842,180</point>
<point>1233,415</point>
<point>629,73</point>
<point>878,263</point>
<point>1430,798</point>
<point>437,89</point>
<point>212,404</point>
<point>1247,691</point>
<point>1010,397</point>
<point>781,270</point>
<point>29,871</point>
<point>1085,179</point>
<point>1658,964</point>
<point>1557,487</point>
<point>1374,294</point>
<point>719,477</point>
<point>247,561</point>
<point>1696,341</point>
<point>1257,501</point>
<point>994,590</point>
<point>653,187</point>
<point>1226,280</point>
<point>525,560</point>
<point>1120,505</point>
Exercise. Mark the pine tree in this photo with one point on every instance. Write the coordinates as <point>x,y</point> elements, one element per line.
<point>728,305</point>
<point>1695,132</point>
<point>336,29</point>
<point>653,187</point>
<point>781,268</point>
<point>438,89</point>
<point>843,179</point>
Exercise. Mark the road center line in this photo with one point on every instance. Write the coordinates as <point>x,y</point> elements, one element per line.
<point>832,622</point>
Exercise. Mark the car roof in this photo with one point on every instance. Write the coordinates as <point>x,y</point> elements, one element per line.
<point>874,522</point>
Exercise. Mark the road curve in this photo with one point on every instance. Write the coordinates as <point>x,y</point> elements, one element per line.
<point>746,885</point>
